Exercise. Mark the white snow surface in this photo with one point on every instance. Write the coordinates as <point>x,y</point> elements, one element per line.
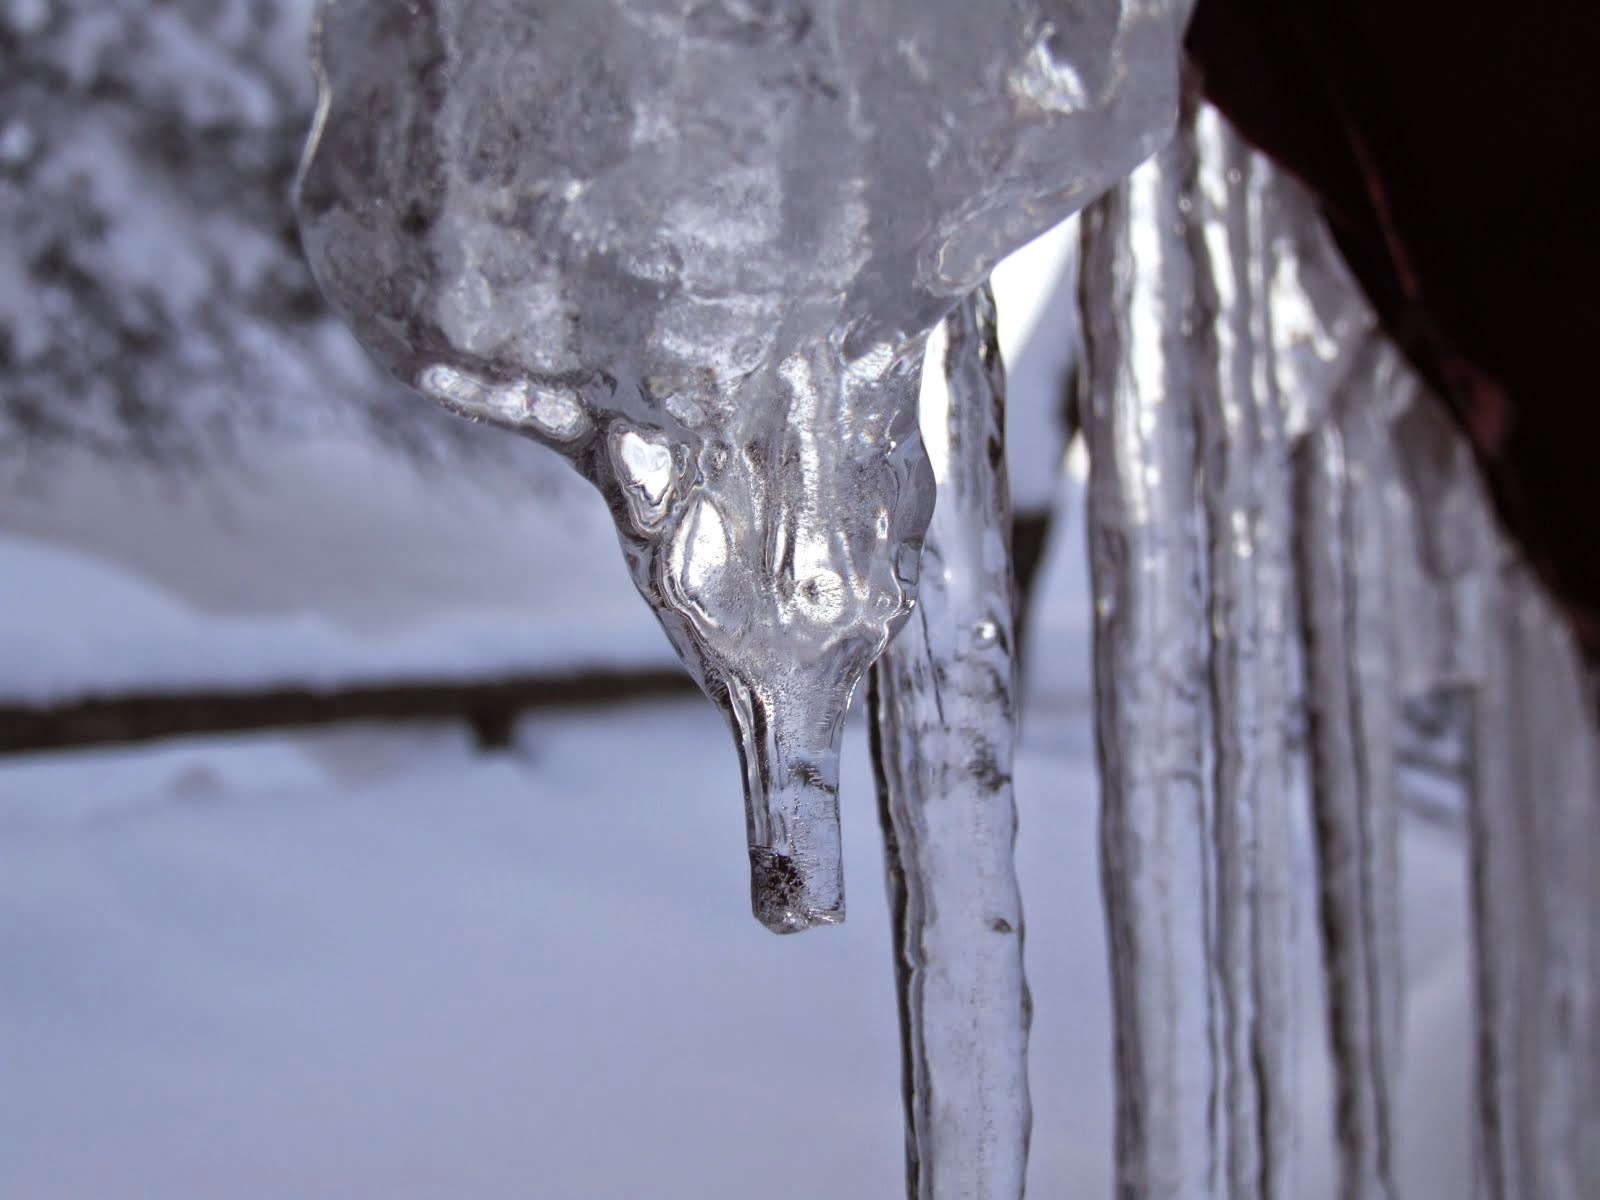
<point>330,564</point>
<point>81,628</point>
<point>371,962</point>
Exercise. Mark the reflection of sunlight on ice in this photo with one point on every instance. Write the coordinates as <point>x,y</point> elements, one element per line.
<point>700,547</point>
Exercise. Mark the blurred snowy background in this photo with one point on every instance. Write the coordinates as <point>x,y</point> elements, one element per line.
<point>373,960</point>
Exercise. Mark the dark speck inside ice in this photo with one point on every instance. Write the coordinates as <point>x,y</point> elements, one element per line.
<point>778,892</point>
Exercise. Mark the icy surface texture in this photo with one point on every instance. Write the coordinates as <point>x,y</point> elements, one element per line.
<point>696,247</point>
<point>1427,646</point>
<point>943,704</point>
<point>1350,694</point>
<point>1245,483</point>
<point>154,304</point>
<point>1282,521</point>
<point>1248,520</point>
<point>1145,355</point>
<point>1467,623</point>
<point>1484,632</point>
<point>1535,821</point>
<point>1349,507</point>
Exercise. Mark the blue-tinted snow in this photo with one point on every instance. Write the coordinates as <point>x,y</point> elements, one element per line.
<point>369,962</point>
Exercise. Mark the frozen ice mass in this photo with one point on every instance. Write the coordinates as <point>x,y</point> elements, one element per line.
<point>696,249</point>
<point>943,706</point>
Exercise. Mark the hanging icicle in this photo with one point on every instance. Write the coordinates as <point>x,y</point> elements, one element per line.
<point>1349,691</point>
<point>943,707</point>
<point>1222,328</point>
<point>1145,340</point>
<point>1532,768</point>
<point>1245,485</point>
<point>1535,825</point>
<point>1347,380</point>
<point>696,250</point>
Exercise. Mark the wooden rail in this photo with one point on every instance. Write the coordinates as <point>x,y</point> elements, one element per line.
<point>490,707</point>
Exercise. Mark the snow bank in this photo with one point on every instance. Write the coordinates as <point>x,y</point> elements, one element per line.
<point>72,626</point>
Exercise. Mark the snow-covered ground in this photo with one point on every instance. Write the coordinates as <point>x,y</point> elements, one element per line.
<point>371,962</point>
<point>374,963</point>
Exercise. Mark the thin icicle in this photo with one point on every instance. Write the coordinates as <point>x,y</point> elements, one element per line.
<point>1189,506</point>
<point>1341,385</point>
<point>1535,822</point>
<point>943,707</point>
<point>1144,339</point>
<point>1347,621</point>
<point>1247,504</point>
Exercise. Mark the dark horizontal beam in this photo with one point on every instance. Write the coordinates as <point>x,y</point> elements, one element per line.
<point>489,706</point>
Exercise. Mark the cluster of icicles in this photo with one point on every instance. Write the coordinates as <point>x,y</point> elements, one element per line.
<point>1296,577</point>
<point>1292,565</point>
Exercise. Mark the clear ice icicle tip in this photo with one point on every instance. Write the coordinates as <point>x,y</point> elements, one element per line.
<point>696,248</point>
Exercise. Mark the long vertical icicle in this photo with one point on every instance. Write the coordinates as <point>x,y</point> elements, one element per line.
<point>1142,339</point>
<point>1189,510</point>
<point>1342,386</point>
<point>1347,626</point>
<point>1535,822</point>
<point>943,703</point>
<point>1245,480</point>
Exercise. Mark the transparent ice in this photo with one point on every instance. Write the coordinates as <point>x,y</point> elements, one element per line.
<point>696,247</point>
<point>1240,498</point>
<point>943,702</point>
<point>1293,561</point>
<point>1146,543</point>
<point>1242,433</point>
<point>1343,467</point>
<point>1535,820</point>
<point>1482,654</point>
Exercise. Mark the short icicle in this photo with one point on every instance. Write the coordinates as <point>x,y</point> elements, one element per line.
<point>943,707</point>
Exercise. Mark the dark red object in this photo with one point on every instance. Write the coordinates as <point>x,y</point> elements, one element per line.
<point>1455,148</point>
